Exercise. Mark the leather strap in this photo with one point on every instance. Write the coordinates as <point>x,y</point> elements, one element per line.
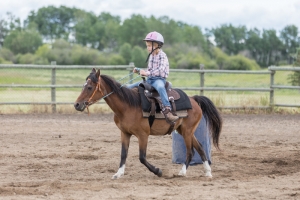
<point>171,128</point>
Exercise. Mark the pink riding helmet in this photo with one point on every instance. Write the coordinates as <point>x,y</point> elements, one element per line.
<point>155,37</point>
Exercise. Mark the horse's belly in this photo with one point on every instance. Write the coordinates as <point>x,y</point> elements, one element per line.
<point>160,127</point>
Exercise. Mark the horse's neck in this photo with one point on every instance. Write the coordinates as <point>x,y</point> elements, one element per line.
<point>112,100</point>
<point>114,103</point>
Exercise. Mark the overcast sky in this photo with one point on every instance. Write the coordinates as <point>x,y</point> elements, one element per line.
<point>262,14</point>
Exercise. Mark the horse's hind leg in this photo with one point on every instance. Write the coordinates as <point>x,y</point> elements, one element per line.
<point>189,155</point>
<point>125,138</point>
<point>143,140</point>
<point>199,149</point>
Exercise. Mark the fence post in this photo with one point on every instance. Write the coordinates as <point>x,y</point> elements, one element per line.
<point>272,89</point>
<point>131,66</point>
<point>53,88</point>
<point>202,79</point>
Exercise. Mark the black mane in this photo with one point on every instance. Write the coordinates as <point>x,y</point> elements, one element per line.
<point>129,96</point>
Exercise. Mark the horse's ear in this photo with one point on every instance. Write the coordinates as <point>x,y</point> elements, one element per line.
<point>98,73</point>
<point>93,70</point>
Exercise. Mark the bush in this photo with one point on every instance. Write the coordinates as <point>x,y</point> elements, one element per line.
<point>294,78</point>
<point>3,61</point>
<point>84,56</point>
<point>125,52</point>
<point>116,59</point>
<point>7,54</point>
<point>139,56</point>
<point>31,59</point>
<point>239,62</point>
<point>220,57</point>
<point>193,61</point>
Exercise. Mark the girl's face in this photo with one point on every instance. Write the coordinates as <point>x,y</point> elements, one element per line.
<point>149,46</point>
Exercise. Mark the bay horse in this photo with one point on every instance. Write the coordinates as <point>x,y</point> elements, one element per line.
<point>126,106</point>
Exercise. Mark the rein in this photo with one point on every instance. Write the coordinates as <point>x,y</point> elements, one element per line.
<point>90,102</point>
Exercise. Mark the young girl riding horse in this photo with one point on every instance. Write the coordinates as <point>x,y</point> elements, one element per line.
<point>157,71</point>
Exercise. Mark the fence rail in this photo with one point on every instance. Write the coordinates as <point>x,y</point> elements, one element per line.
<point>271,71</point>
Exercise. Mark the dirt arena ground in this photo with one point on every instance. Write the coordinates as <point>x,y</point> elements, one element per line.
<point>57,156</point>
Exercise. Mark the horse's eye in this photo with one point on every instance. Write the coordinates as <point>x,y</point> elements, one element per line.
<point>89,87</point>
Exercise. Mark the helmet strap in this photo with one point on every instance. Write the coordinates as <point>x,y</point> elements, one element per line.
<point>151,52</point>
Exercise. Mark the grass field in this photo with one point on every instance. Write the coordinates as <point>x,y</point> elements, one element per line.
<point>178,79</point>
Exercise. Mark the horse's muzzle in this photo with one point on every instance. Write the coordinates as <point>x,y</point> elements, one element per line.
<point>79,106</point>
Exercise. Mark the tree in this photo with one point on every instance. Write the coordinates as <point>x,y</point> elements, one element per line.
<point>254,44</point>
<point>133,30</point>
<point>26,41</point>
<point>87,29</point>
<point>9,24</point>
<point>53,23</point>
<point>230,39</point>
<point>290,39</point>
<point>271,47</point>
<point>100,32</point>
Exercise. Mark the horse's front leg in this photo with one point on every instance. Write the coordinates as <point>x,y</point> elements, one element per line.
<point>143,141</point>
<point>125,139</point>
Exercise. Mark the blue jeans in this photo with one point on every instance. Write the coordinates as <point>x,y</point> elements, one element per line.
<point>159,84</point>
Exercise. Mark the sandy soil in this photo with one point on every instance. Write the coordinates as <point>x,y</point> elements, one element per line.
<point>74,156</point>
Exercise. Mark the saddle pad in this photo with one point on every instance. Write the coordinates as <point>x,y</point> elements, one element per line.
<point>159,115</point>
<point>183,103</point>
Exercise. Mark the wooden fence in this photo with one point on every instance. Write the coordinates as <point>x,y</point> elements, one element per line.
<point>53,67</point>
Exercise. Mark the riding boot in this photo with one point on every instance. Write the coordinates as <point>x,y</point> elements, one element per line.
<point>169,115</point>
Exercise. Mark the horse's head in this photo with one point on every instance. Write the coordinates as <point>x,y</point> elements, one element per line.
<point>91,91</point>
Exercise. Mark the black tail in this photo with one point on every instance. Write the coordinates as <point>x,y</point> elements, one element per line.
<point>212,116</point>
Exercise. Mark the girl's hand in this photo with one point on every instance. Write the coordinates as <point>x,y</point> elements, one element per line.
<point>136,70</point>
<point>143,72</point>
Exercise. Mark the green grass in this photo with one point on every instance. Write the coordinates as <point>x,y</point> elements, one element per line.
<point>178,79</point>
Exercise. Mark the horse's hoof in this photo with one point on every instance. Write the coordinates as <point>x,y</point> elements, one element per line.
<point>181,173</point>
<point>159,173</point>
<point>208,175</point>
<point>117,176</point>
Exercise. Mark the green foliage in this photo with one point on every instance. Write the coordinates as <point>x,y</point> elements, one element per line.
<point>294,78</point>
<point>125,52</point>
<point>186,45</point>
<point>6,54</point>
<point>53,22</point>
<point>229,38</point>
<point>43,51</point>
<point>133,30</point>
<point>239,62</point>
<point>29,58</point>
<point>8,24</point>
<point>290,39</point>
<point>188,57</point>
<point>116,59</point>
<point>84,56</point>
<point>3,61</point>
<point>139,56</point>
<point>99,32</point>
<point>61,52</point>
<point>220,57</point>
<point>23,41</point>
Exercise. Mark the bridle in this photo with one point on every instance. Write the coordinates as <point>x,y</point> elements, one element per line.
<point>97,88</point>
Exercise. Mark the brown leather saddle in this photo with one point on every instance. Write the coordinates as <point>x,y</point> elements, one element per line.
<point>154,97</point>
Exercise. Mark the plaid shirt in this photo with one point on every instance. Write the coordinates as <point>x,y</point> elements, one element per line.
<point>158,65</point>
